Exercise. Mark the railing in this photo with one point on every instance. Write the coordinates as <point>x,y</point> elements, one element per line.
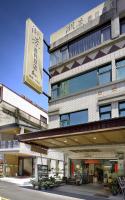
<point>9,144</point>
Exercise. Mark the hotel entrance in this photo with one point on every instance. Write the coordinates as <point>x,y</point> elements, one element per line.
<point>93,150</point>
<point>92,170</point>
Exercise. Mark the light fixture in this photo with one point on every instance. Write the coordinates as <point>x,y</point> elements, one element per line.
<point>94,138</point>
<point>65,141</point>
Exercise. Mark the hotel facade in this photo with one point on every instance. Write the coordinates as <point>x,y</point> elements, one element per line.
<point>87,105</point>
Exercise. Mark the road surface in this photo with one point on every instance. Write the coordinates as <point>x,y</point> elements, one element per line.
<point>13,192</point>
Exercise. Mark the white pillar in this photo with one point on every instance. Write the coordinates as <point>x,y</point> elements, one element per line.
<point>66,166</point>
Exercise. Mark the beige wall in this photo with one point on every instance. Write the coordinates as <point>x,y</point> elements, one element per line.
<point>89,99</point>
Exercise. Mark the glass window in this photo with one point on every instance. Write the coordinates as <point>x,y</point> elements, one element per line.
<point>106,34</point>
<point>122,27</point>
<point>64,53</point>
<point>80,45</point>
<point>64,120</point>
<point>75,118</point>
<point>120,69</point>
<point>105,112</point>
<point>64,88</point>
<point>84,43</point>
<point>55,91</point>
<point>82,82</point>
<point>105,74</point>
<point>79,117</point>
<point>43,119</point>
<point>122,109</point>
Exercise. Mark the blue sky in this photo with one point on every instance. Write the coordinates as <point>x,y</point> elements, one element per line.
<point>49,16</point>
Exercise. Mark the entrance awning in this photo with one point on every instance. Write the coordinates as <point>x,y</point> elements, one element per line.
<point>94,133</point>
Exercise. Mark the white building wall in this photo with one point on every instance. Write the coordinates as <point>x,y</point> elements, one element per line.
<point>5,119</point>
<point>17,101</point>
<point>53,154</point>
<point>89,99</point>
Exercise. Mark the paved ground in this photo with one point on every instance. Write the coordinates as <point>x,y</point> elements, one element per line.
<point>15,192</point>
<point>17,181</point>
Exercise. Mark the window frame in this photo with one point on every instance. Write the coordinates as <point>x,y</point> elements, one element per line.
<point>55,89</point>
<point>110,70</point>
<point>108,26</point>
<point>120,110</point>
<point>43,119</point>
<point>106,112</point>
<point>68,114</point>
<point>116,61</point>
<point>87,71</point>
<point>82,37</point>
<point>122,21</point>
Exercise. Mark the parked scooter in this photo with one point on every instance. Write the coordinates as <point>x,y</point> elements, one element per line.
<point>114,187</point>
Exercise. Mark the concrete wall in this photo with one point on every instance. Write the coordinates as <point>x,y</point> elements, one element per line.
<point>5,119</point>
<point>17,101</point>
<point>91,98</point>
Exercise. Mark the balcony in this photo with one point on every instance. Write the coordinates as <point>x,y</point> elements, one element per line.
<point>9,145</point>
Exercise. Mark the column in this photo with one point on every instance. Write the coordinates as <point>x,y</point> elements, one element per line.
<point>115,27</point>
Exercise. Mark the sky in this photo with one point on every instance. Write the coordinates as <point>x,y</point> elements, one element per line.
<point>49,16</point>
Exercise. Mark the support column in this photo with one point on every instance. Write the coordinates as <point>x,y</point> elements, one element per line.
<point>66,166</point>
<point>113,70</point>
<point>115,27</point>
<point>115,22</point>
<point>37,161</point>
<point>22,130</point>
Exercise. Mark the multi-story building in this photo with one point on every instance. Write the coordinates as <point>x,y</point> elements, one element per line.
<point>18,115</point>
<point>87,105</point>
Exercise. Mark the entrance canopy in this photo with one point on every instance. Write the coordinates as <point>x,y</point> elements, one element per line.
<point>106,132</point>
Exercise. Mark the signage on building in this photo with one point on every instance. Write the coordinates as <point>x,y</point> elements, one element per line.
<point>33,57</point>
<point>42,171</point>
<point>83,20</point>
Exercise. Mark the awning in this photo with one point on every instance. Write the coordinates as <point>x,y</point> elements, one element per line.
<point>94,133</point>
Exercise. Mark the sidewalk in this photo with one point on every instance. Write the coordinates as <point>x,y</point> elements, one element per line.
<point>17,181</point>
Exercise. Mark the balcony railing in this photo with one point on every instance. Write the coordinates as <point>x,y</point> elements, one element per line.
<point>10,144</point>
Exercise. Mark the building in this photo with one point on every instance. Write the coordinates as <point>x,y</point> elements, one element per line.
<point>87,105</point>
<point>18,115</point>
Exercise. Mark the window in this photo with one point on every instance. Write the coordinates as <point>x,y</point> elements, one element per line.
<point>43,119</point>
<point>122,26</point>
<point>64,120</point>
<point>82,82</point>
<point>120,69</point>
<point>105,34</point>
<point>105,74</point>
<point>81,44</point>
<point>85,43</point>
<point>74,118</point>
<point>55,91</point>
<point>122,109</point>
<point>105,112</point>
<point>64,52</point>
